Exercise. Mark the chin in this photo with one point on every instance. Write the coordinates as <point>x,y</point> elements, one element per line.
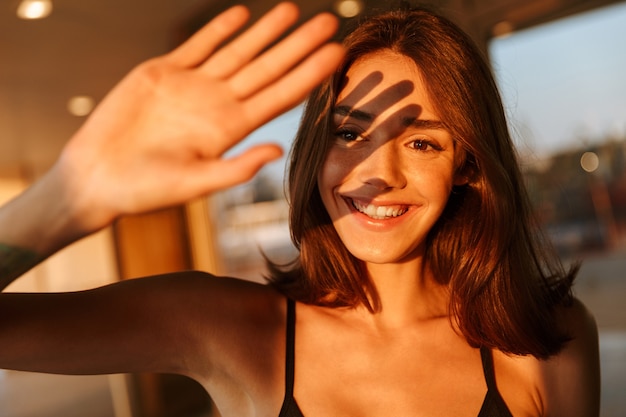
<point>380,256</point>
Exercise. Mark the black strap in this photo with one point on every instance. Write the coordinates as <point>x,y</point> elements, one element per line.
<point>487,359</point>
<point>290,406</point>
<point>493,405</point>
<point>290,348</point>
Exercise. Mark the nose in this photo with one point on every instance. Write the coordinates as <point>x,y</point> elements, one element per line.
<point>382,169</point>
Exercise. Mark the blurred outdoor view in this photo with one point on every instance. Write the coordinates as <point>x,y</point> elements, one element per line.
<point>565,93</point>
<point>564,90</point>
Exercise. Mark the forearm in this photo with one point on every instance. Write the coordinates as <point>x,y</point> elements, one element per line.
<point>35,224</point>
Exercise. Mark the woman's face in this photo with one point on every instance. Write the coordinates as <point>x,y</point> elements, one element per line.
<point>390,169</point>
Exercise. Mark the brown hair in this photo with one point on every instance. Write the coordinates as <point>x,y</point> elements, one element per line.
<point>504,281</point>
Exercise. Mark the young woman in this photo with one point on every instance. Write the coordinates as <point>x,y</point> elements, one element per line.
<point>422,287</point>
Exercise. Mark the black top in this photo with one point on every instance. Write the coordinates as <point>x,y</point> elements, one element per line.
<point>493,404</point>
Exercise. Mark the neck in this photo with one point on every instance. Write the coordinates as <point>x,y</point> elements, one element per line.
<point>408,292</point>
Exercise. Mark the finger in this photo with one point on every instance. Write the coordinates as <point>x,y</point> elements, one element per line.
<point>244,48</point>
<point>224,173</point>
<point>284,56</point>
<point>291,89</point>
<point>204,42</point>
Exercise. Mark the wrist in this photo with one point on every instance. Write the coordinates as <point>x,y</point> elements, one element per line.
<point>15,261</point>
<point>75,210</point>
<point>52,213</point>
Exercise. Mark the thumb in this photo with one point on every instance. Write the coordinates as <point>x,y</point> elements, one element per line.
<point>224,173</point>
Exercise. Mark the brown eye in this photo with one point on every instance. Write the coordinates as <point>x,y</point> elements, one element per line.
<point>421,145</point>
<point>347,135</point>
<point>424,145</point>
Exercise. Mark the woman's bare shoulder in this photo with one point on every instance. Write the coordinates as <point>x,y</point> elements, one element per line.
<point>247,343</point>
<point>572,377</point>
<point>236,330</point>
<point>566,384</point>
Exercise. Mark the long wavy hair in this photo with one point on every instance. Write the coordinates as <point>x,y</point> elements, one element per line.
<point>504,280</point>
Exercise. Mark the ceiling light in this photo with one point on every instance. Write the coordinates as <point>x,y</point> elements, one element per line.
<point>80,105</point>
<point>34,9</point>
<point>348,8</point>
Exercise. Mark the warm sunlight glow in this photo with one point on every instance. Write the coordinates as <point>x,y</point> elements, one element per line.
<point>34,9</point>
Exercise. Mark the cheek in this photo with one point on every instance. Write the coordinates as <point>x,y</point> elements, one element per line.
<point>335,170</point>
<point>436,182</point>
<point>325,181</point>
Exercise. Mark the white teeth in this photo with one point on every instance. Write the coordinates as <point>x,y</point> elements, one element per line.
<point>379,212</point>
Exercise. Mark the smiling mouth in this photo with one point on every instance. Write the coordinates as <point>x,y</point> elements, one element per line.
<point>379,212</point>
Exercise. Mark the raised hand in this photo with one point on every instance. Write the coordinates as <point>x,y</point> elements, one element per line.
<point>159,137</point>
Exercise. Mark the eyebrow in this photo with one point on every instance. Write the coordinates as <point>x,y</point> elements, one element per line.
<point>355,114</point>
<point>406,121</point>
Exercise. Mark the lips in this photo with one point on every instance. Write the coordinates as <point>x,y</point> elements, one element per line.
<point>379,212</point>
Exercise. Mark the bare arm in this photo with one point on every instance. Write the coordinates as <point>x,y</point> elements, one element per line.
<point>177,323</point>
<point>159,137</point>
<point>572,378</point>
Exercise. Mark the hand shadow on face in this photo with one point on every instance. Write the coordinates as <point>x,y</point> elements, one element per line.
<point>384,100</point>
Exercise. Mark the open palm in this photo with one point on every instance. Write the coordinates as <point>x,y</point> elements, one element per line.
<point>159,137</point>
